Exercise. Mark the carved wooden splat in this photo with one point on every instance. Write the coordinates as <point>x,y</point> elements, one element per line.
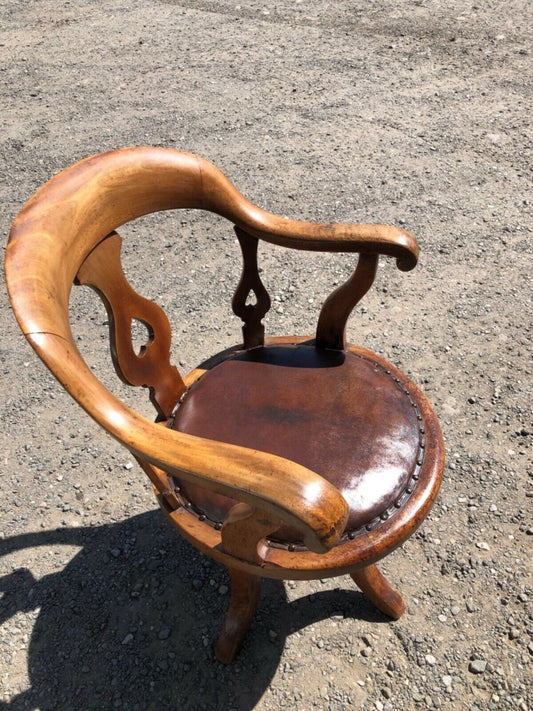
<point>250,283</point>
<point>331,328</point>
<point>102,270</point>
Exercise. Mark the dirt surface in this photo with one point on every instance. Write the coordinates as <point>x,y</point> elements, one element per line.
<point>410,113</point>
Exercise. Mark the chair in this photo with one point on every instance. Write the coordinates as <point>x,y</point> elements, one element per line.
<point>289,457</point>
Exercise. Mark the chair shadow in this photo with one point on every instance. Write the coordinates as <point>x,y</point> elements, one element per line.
<point>131,620</point>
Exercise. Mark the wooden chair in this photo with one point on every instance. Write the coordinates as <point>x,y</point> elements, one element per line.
<point>290,457</point>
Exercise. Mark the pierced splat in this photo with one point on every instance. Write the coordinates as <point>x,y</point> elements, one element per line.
<point>102,270</point>
<point>331,328</point>
<point>251,300</point>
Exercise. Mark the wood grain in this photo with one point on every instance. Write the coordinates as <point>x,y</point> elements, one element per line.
<point>244,533</point>
<point>331,328</point>
<point>250,282</point>
<point>244,596</point>
<point>151,367</point>
<point>379,591</point>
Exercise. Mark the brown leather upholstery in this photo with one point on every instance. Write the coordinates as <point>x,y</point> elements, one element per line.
<point>335,412</point>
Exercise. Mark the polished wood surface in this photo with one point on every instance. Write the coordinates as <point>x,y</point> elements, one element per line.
<point>331,327</point>
<point>245,590</point>
<point>244,533</point>
<point>253,331</point>
<point>379,591</point>
<point>66,233</point>
<point>102,270</point>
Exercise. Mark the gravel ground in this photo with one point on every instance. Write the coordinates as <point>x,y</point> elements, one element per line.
<point>411,113</point>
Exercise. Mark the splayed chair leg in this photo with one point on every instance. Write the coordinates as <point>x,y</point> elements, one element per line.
<point>244,596</point>
<point>377,589</point>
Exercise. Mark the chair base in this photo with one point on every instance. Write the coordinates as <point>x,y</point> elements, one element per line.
<point>245,594</point>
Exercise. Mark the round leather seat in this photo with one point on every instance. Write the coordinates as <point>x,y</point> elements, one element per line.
<point>338,413</point>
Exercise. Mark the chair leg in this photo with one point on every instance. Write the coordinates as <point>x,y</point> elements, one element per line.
<point>378,590</point>
<point>244,596</point>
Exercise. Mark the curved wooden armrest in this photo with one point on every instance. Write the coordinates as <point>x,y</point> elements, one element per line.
<point>223,198</point>
<point>283,489</point>
<point>143,179</point>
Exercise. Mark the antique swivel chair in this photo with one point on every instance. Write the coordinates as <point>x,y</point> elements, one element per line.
<point>294,457</point>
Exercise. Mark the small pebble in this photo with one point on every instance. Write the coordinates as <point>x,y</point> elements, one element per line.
<point>128,638</point>
<point>164,633</point>
<point>430,659</point>
<point>477,666</point>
